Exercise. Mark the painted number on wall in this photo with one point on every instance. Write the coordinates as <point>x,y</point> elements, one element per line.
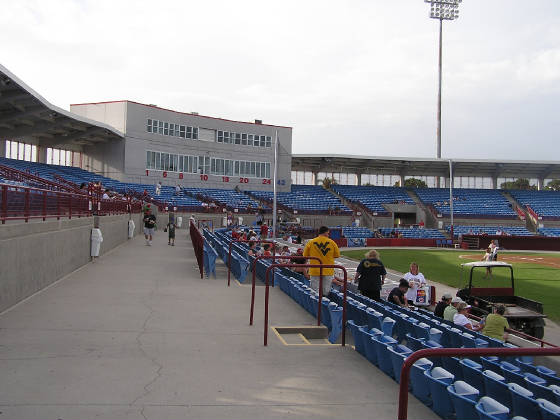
<point>204,177</point>
<point>281,182</point>
<point>225,179</point>
<point>266,181</point>
<point>244,180</point>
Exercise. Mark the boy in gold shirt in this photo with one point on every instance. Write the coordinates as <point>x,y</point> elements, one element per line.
<point>327,250</point>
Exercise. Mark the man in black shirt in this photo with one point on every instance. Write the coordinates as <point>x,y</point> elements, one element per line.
<point>370,275</point>
<point>149,226</point>
<point>440,307</point>
<point>397,294</point>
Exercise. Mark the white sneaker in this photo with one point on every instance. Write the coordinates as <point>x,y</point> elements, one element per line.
<point>149,243</point>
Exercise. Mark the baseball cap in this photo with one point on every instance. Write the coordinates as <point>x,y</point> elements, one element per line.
<point>456,299</point>
<point>446,296</point>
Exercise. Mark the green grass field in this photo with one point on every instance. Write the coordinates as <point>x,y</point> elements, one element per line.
<point>532,281</point>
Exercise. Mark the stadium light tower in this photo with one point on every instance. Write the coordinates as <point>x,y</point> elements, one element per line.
<point>442,10</point>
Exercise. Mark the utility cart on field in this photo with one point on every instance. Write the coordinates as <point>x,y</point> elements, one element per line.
<point>492,283</point>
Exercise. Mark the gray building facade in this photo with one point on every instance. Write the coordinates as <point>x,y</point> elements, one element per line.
<point>186,148</point>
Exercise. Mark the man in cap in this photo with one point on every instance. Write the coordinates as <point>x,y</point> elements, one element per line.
<point>441,305</point>
<point>451,310</point>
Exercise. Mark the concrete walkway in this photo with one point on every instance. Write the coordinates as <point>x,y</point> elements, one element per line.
<point>138,334</point>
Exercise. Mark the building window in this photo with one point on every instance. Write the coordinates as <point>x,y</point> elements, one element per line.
<point>149,126</point>
<point>268,141</point>
<point>220,137</point>
<point>182,131</point>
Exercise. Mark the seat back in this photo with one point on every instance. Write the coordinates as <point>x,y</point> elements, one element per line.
<point>472,373</point>
<point>523,403</point>
<point>463,397</point>
<point>538,386</point>
<point>414,343</point>
<point>435,335</point>
<point>548,410</point>
<point>419,382</point>
<point>489,408</point>
<point>496,387</point>
<point>387,326</point>
<point>438,380</point>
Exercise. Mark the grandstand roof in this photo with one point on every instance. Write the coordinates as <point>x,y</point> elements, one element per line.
<point>26,115</point>
<point>407,166</point>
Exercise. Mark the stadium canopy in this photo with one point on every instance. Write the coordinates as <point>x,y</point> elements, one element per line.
<point>406,166</point>
<point>26,116</point>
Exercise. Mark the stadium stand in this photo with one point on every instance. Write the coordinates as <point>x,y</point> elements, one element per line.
<point>372,197</point>
<point>306,199</point>
<point>468,202</point>
<point>545,204</point>
<point>414,232</point>
<point>228,198</point>
<point>552,232</point>
<point>489,230</point>
<point>357,232</point>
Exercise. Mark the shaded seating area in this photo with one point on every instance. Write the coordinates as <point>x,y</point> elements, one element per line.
<point>545,204</point>
<point>373,197</point>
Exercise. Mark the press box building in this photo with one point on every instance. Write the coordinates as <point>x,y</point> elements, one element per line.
<point>186,148</point>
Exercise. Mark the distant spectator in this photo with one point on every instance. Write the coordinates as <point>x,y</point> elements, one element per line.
<point>451,310</point>
<point>488,258</point>
<point>266,251</point>
<point>252,249</point>
<point>494,248</point>
<point>441,305</point>
<point>496,324</point>
<point>106,195</point>
<point>302,260</point>
<point>326,250</point>
<point>149,226</point>
<point>370,275</point>
<point>264,231</point>
<point>397,295</point>
<point>171,230</point>
<point>158,188</point>
<point>415,280</point>
<point>460,318</point>
<point>421,224</point>
<point>178,190</point>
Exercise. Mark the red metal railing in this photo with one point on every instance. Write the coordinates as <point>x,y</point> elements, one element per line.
<point>273,258</point>
<point>32,180</point>
<point>321,266</point>
<point>25,203</point>
<point>198,245</point>
<point>258,241</point>
<point>464,352</point>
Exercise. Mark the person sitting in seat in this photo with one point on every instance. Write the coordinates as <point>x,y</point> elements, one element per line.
<point>451,310</point>
<point>397,295</point>
<point>460,318</point>
<point>496,324</point>
<point>441,305</point>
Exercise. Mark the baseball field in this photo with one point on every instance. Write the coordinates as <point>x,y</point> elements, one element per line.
<point>537,275</point>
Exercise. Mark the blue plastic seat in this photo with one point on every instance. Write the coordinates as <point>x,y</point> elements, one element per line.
<point>548,409</point>
<point>463,397</point>
<point>435,335</point>
<point>374,318</point>
<point>419,382</point>
<point>398,354</point>
<point>387,326</point>
<point>383,358</point>
<point>548,374</point>
<point>369,345</point>
<point>496,387</point>
<point>527,366</point>
<point>438,380</point>
<point>357,334</point>
<point>471,341</point>
<point>523,403</point>
<point>512,373</point>
<point>538,387</point>
<point>421,330</point>
<point>414,343</point>
<point>491,363</point>
<point>452,364</point>
<point>490,409</point>
<point>455,338</point>
<point>472,373</point>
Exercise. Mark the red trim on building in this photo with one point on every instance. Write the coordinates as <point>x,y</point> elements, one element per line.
<point>179,112</point>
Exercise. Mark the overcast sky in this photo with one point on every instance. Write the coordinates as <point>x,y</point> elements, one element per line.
<point>354,77</point>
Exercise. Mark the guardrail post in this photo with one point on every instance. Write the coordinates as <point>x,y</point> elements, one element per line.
<point>4,203</point>
<point>44,205</point>
<point>57,205</point>
<point>70,198</point>
<point>26,206</point>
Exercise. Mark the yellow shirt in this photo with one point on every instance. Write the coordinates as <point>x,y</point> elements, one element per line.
<point>495,326</point>
<point>324,248</point>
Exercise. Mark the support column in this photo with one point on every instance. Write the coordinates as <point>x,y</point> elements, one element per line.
<point>314,177</point>
<point>3,148</point>
<point>359,177</point>
<point>495,182</point>
<point>41,154</point>
<point>540,184</point>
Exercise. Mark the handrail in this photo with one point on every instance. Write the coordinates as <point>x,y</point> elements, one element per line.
<point>272,266</point>
<point>261,241</point>
<point>273,257</point>
<point>23,176</point>
<point>449,352</point>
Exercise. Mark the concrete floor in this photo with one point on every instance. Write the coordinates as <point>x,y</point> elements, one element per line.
<point>138,334</point>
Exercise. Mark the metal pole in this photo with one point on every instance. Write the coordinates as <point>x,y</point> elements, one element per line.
<point>439,98</point>
<point>274,208</point>
<point>451,194</point>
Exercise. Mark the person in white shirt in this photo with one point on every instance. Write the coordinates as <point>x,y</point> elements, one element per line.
<point>415,280</point>
<point>158,188</point>
<point>460,318</point>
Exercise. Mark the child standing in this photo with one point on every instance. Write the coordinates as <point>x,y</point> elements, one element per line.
<point>171,230</point>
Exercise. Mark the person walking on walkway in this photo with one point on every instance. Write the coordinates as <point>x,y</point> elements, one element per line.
<point>370,275</point>
<point>171,230</point>
<point>326,250</point>
<point>149,226</point>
